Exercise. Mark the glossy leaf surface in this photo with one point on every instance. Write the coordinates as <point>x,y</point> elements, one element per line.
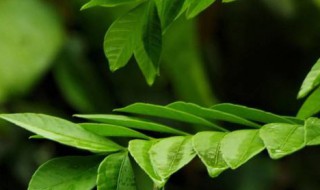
<point>207,145</point>
<point>311,81</point>
<point>282,139</point>
<point>62,131</point>
<point>312,131</point>
<point>311,105</point>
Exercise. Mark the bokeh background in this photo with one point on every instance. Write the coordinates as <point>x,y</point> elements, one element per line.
<point>251,52</point>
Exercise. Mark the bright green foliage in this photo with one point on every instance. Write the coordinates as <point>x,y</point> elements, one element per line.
<point>167,112</point>
<point>169,10</point>
<point>139,150</point>
<point>239,146</point>
<point>26,27</point>
<point>211,114</point>
<point>132,122</point>
<point>108,130</point>
<point>282,139</point>
<point>107,3</point>
<point>251,113</point>
<point>311,106</point>
<point>312,131</point>
<point>311,81</point>
<point>171,154</point>
<point>62,131</point>
<point>73,172</point>
<point>115,172</point>
<point>207,145</point>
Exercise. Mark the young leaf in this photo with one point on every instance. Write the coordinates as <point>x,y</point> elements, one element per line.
<point>132,122</point>
<point>171,154</point>
<point>196,6</point>
<point>207,145</point>
<point>211,114</point>
<point>122,36</point>
<point>115,172</point>
<point>107,3</point>
<point>167,112</point>
<point>62,131</point>
<point>282,139</point>
<point>312,131</point>
<point>169,10</point>
<point>73,172</point>
<point>239,146</point>
<point>251,113</point>
<point>139,150</point>
<point>108,130</point>
<point>311,106</point>
<point>311,81</point>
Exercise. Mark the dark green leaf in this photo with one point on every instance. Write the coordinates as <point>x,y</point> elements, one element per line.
<point>311,81</point>
<point>62,131</point>
<point>197,6</point>
<point>311,106</point>
<point>115,172</point>
<point>171,154</point>
<point>251,113</point>
<point>139,150</point>
<point>131,122</point>
<point>169,10</point>
<point>239,146</point>
<point>167,112</point>
<point>74,172</point>
<point>312,131</point>
<point>282,139</point>
<point>207,145</point>
<point>211,114</point>
<point>108,130</point>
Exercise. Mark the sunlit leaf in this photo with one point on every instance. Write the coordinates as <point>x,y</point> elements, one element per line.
<point>311,81</point>
<point>115,172</point>
<point>108,130</point>
<point>131,122</point>
<point>62,131</point>
<point>311,105</point>
<point>74,172</point>
<point>211,114</point>
<point>107,3</point>
<point>171,154</point>
<point>312,131</point>
<point>122,37</point>
<point>169,10</point>
<point>239,146</point>
<point>167,112</point>
<point>282,139</point>
<point>207,145</point>
<point>251,113</point>
<point>139,150</point>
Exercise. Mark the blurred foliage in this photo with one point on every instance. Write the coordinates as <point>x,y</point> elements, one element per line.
<point>255,53</point>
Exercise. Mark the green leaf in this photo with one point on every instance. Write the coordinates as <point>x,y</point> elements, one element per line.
<point>207,145</point>
<point>282,139</point>
<point>31,35</point>
<point>251,113</point>
<point>228,1</point>
<point>108,130</point>
<point>311,81</point>
<point>239,146</point>
<point>211,114</point>
<point>73,172</point>
<point>311,106</point>
<point>196,6</point>
<point>115,172</point>
<point>122,37</point>
<point>107,3</point>
<point>312,131</point>
<point>171,154</point>
<point>131,122</point>
<point>167,112</point>
<point>139,150</point>
<point>62,131</point>
<point>169,10</point>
